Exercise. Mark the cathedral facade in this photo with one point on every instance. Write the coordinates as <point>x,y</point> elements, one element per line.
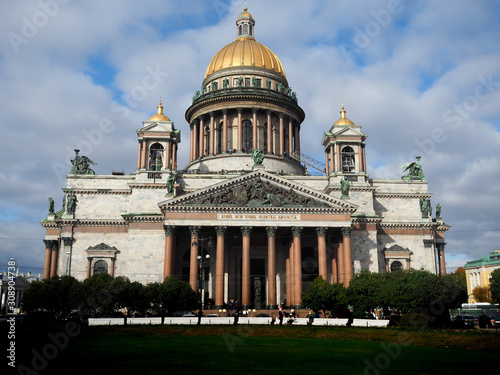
<point>245,219</point>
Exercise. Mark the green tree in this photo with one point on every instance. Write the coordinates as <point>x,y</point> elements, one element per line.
<point>364,292</point>
<point>98,295</point>
<point>59,295</point>
<point>326,297</point>
<point>495,286</point>
<point>410,291</point>
<point>176,295</point>
<point>128,296</point>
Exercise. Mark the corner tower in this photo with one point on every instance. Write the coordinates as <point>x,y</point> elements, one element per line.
<point>245,104</point>
<point>158,142</point>
<point>345,149</point>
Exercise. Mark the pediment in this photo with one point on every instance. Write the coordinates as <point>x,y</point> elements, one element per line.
<point>347,131</point>
<point>258,191</point>
<point>158,127</point>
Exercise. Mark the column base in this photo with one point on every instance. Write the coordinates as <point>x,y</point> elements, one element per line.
<point>272,307</point>
<point>218,307</point>
<point>296,307</point>
<point>246,307</point>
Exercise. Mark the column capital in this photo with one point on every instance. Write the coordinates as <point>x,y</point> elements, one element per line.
<point>269,112</point>
<point>51,244</point>
<point>255,110</point>
<point>169,230</point>
<point>239,110</point>
<point>297,231</point>
<point>220,231</point>
<point>224,111</point>
<point>321,231</point>
<point>246,231</point>
<point>440,246</point>
<point>346,231</point>
<point>68,241</point>
<point>428,243</point>
<point>271,231</point>
<point>195,230</point>
<point>281,115</point>
<point>195,121</point>
<point>212,114</point>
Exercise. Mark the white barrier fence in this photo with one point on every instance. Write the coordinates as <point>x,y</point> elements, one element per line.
<point>242,320</point>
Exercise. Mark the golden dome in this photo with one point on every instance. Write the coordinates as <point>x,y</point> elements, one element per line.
<point>343,120</point>
<point>159,116</point>
<point>245,52</point>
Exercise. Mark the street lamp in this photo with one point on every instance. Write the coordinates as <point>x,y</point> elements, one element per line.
<point>200,260</point>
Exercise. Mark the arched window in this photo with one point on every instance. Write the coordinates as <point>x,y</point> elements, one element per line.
<point>229,138</point>
<point>245,29</point>
<point>100,267</point>
<point>156,157</point>
<point>396,266</point>
<point>219,139</point>
<point>251,29</point>
<point>348,164</point>
<point>265,138</point>
<point>207,140</point>
<point>240,30</point>
<point>247,136</point>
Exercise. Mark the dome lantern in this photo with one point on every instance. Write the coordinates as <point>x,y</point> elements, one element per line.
<point>245,25</point>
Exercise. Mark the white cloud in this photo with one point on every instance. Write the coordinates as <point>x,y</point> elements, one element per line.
<point>426,60</point>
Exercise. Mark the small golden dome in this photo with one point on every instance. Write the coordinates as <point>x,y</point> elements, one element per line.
<point>245,52</point>
<point>245,14</point>
<point>159,116</point>
<point>343,120</point>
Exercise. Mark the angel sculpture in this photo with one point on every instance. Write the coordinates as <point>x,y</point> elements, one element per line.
<point>414,169</point>
<point>81,164</point>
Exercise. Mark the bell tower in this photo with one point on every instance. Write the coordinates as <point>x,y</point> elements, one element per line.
<point>345,149</point>
<point>158,143</point>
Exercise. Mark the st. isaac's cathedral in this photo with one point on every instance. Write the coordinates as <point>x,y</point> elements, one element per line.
<point>246,217</point>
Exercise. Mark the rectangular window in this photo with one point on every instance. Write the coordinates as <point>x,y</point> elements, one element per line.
<point>247,82</point>
<point>258,82</point>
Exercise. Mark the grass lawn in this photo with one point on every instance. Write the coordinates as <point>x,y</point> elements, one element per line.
<point>149,350</point>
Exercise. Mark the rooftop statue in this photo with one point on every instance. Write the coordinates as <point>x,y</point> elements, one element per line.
<point>81,164</point>
<point>345,185</point>
<point>258,157</point>
<point>170,183</point>
<point>51,205</point>
<point>414,169</point>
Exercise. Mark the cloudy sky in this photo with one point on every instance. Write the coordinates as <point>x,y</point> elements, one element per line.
<point>421,77</point>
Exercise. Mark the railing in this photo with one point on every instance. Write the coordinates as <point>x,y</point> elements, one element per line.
<point>304,159</point>
<point>198,97</point>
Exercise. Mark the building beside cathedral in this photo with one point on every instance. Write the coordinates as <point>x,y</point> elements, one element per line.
<point>245,198</point>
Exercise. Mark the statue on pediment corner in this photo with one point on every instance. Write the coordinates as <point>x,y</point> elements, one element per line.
<point>258,157</point>
<point>345,186</point>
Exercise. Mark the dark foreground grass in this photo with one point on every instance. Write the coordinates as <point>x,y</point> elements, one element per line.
<point>149,350</point>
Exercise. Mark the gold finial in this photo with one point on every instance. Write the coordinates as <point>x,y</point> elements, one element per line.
<point>160,108</point>
<point>342,112</point>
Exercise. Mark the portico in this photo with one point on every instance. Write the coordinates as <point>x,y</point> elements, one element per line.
<point>262,228</point>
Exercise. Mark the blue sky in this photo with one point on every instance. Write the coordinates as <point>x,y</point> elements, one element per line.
<point>420,77</point>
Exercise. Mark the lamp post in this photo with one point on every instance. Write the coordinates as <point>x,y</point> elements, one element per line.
<point>200,260</point>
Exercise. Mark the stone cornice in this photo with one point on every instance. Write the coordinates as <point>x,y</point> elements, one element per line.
<point>402,195</point>
<point>400,225</point>
<point>365,220</point>
<point>101,223</point>
<point>144,217</point>
<point>103,191</point>
<point>148,186</point>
